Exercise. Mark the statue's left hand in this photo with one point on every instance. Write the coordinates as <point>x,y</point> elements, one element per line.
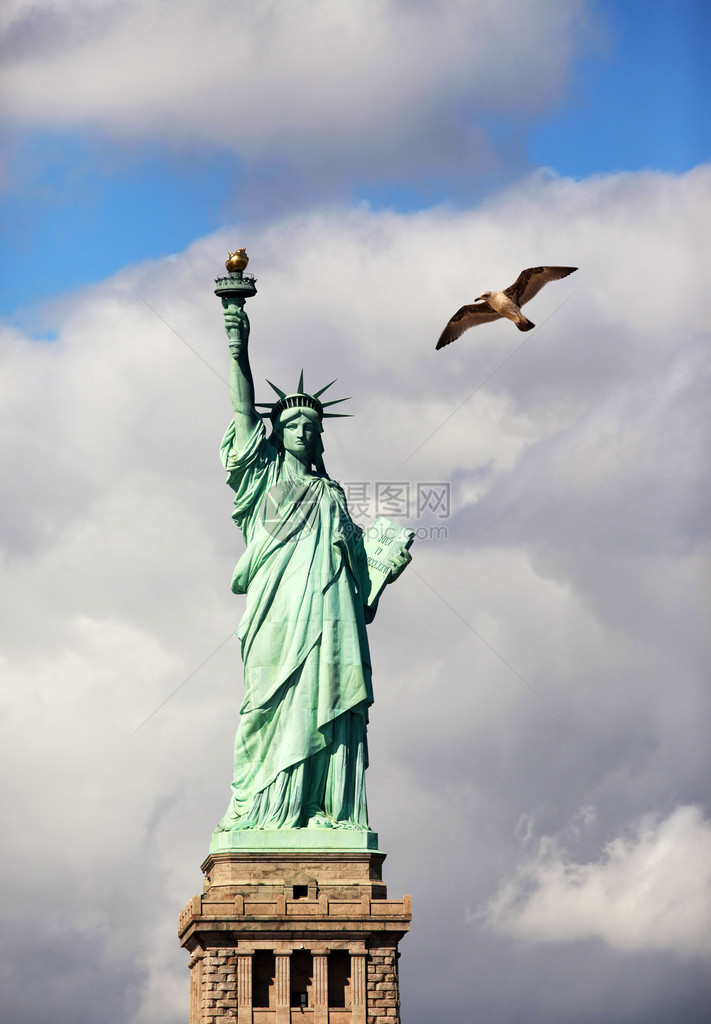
<point>398,563</point>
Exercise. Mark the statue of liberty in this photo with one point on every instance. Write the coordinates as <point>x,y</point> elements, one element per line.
<point>301,748</point>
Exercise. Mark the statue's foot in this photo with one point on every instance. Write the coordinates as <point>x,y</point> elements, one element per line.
<point>319,821</point>
<point>352,826</point>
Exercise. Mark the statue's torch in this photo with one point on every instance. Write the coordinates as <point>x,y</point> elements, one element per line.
<point>236,286</point>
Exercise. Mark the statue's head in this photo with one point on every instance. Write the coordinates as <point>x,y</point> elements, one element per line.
<point>298,431</point>
<point>297,420</point>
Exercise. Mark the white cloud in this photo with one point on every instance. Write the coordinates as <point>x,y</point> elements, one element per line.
<point>364,82</point>
<point>118,548</point>
<point>650,890</point>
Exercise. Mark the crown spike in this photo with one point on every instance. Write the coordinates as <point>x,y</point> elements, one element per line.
<point>298,399</point>
<point>337,415</point>
<point>317,394</point>
<point>335,401</point>
<point>282,394</point>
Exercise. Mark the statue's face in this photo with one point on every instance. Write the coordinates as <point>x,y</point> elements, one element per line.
<point>299,435</point>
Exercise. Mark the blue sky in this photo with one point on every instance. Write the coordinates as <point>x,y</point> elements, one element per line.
<point>642,101</point>
<point>636,96</point>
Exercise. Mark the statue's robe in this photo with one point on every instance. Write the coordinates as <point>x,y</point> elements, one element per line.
<point>300,748</point>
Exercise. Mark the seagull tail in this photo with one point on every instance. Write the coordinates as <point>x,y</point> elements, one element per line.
<point>525,324</point>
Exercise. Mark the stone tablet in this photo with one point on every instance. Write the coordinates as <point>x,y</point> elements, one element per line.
<point>382,540</point>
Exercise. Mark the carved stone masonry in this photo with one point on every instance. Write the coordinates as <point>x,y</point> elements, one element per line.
<point>280,937</point>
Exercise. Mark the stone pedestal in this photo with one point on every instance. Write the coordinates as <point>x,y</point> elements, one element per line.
<point>281,936</point>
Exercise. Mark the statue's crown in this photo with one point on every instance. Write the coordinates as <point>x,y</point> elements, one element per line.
<point>299,399</point>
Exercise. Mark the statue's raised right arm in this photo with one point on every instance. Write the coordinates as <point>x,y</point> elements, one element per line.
<point>241,382</point>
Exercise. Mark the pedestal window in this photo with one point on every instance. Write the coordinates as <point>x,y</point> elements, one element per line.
<point>263,979</point>
<point>302,976</point>
<point>339,979</point>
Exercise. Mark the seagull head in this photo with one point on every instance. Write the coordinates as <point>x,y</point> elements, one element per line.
<point>483,297</point>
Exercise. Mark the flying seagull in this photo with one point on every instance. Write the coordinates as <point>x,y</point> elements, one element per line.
<point>493,305</point>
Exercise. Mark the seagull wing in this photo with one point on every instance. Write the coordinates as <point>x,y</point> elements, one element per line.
<point>464,318</point>
<point>529,282</point>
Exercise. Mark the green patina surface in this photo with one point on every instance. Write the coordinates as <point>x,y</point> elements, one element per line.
<point>293,839</point>
<point>301,747</point>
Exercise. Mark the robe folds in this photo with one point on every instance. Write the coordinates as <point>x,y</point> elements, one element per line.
<point>300,748</point>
